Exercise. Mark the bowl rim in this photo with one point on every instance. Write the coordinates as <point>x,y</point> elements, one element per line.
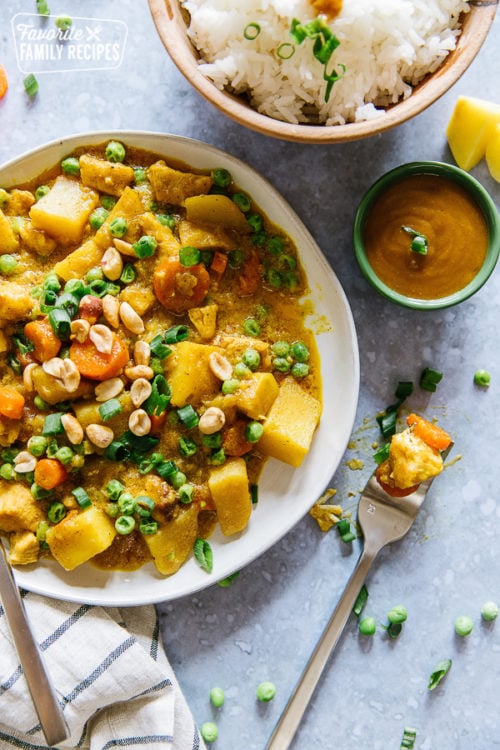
<point>168,18</point>
<point>475,189</point>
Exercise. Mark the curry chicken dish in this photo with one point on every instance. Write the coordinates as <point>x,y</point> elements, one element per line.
<point>153,355</point>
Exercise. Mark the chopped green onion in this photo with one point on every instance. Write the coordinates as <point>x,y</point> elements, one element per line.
<point>176,334</point>
<point>30,84</point>
<point>145,246</point>
<point>251,327</point>
<point>285,51</point>
<point>251,31</point>
<point>144,505</point>
<point>212,441</point>
<point>60,320</point>
<point>189,256</point>
<point>203,554</point>
<point>344,530</point>
<point>70,165</point>
<point>404,389</point>
<point>186,493</point>
<point>430,378</point>
<point>394,629</point>
<point>187,447</point>
<point>387,422</point>
<point>129,274</point>
<point>56,512</point>
<point>109,409</point>
<point>81,497</point>
<point>117,451</point>
<point>53,425</point>
<point>115,151</point>
<point>440,670</point>
<point>361,600</point>
<point>408,739</point>
<point>159,348</point>
<point>159,399</point>
<point>148,527</point>
<point>167,469</point>
<point>419,243</point>
<point>188,416</point>
<point>254,493</point>
<point>125,525</point>
<point>382,453</point>
<point>114,489</point>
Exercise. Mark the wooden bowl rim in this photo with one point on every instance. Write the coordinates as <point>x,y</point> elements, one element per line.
<point>169,20</point>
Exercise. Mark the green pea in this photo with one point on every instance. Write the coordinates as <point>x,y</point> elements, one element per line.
<point>274,278</point>
<point>235,258</point>
<point>8,264</point>
<point>281,364</point>
<point>41,191</point>
<point>125,525</point>
<point>140,175</point>
<point>275,244</point>
<point>251,358</point>
<point>463,625</point>
<point>256,222</point>
<point>265,691</point>
<point>178,479</point>
<point>40,404</point>
<point>489,611</point>
<point>242,201</point>
<point>115,151</point>
<point>221,177</point>
<point>37,445</point>
<point>254,432</point>
<point>126,503</point>
<point>281,348</point>
<point>482,378</point>
<point>241,371</point>
<point>64,455</point>
<point>368,626</point>
<point>94,274</point>
<point>230,386</point>
<point>299,370</point>
<point>70,165</point>
<point>300,352</point>
<point>63,22</point>
<point>217,697</point>
<point>7,471</point>
<point>108,201</point>
<point>98,217</point>
<point>209,731</point>
<point>397,614</point>
<point>118,227</point>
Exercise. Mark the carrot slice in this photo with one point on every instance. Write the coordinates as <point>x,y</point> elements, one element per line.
<point>4,83</point>
<point>157,423</point>
<point>43,338</point>
<point>234,440</point>
<point>179,287</point>
<point>96,365</point>
<point>219,262</point>
<point>11,402</point>
<point>251,274</point>
<point>434,436</point>
<point>49,473</point>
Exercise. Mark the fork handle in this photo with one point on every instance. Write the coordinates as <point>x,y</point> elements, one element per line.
<point>42,692</point>
<point>291,717</point>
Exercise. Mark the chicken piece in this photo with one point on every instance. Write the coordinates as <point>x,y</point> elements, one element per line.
<point>19,203</point>
<point>37,240</point>
<point>15,301</point>
<point>204,320</point>
<point>24,548</point>
<point>173,187</point>
<point>411,460</point>
<point>19,510</point>
<point>105,176</point>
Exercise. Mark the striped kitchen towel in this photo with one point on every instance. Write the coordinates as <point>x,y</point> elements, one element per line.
<point>108,667</point>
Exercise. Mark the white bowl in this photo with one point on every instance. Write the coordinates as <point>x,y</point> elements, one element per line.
<point>285,494</point>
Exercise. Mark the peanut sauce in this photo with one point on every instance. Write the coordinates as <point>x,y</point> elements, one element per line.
<point>450,219</point>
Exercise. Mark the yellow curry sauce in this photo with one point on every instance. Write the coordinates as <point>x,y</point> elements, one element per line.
<point>153,355</point>
<point>450,220</point>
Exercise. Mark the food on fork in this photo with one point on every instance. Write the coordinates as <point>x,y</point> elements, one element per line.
<point>415,455</point>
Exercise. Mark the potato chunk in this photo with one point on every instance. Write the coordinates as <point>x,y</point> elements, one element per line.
<point>174,540</point>
<point>76,264</point>
<point>8,240</point>
<point>492,154</point>
<point>64,211</point>
<point>189,375</point>
<point>15,301</point>
<point>173,186</point>
<point>103,175</point>
<point>228,485</point>
<point>290,424</point>
<point>79,537</point>
<point>216,209</point>
<point>24,548</point>
<point>257,394</point>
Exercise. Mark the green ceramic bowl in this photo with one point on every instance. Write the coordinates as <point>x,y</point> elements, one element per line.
<point>480,196</point>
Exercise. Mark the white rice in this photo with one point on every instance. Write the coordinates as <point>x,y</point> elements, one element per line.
<point>387,46</point>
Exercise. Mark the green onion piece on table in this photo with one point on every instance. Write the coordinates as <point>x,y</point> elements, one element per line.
<point>408,739</point>
<point>361,600</point>
<point>30,85</point>
<point>440,670</point>
<point>430,378</point>
<point>224,583</point>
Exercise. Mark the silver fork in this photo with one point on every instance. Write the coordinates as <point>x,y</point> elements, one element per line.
<point>383,519</point>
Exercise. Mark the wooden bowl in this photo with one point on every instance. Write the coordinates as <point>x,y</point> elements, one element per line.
<point>170,21</point>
